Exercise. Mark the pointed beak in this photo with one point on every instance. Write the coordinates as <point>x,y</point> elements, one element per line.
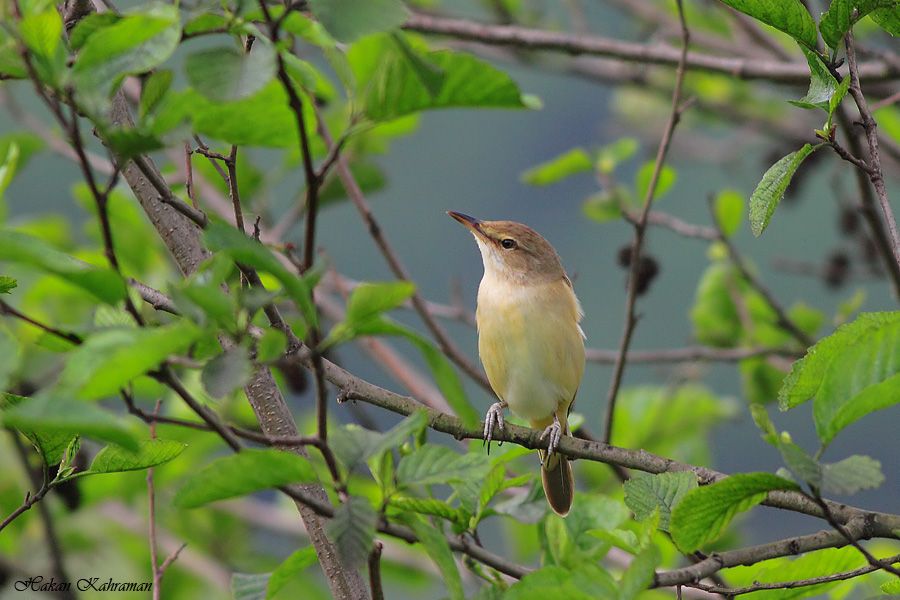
<point>468,222</point>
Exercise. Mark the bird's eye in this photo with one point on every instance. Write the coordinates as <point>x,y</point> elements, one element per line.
<point>508,243</point>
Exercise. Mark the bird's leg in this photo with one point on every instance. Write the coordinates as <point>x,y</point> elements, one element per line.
<point>493,418</point>
<point>554,430</point>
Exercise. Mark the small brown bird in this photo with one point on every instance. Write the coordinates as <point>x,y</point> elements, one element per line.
<point>529,340</point>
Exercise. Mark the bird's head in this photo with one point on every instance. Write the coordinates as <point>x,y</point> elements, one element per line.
<point>513,251</point>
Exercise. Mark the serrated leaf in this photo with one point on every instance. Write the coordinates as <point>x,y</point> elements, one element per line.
<point>822,84</point>
<point>851,475</point>
<point>249,586</point>
<point>352,529</point>
<point>45,415</point>
<point>842,14</point>
<point>645,494</point>
<point>51,445</point>
<point>587,582</point>
<point>348,20</point>
<point>105,284</point>
<point>850,373</point>
<point>569,163</point>
<point>88,25</point>
<point>227,372</point>
<point>665,181</point>
<point>704,512</point>
<point>289,568</point>
<point>789,16</point>
<point>771,187</point>
<point>431,464</point>
<point>108,360</point>
<point>426,506</point>
<point>411,426</point>
<point>150,453</point>
<point>225,74</point>
<point>243,473</point>
<point>804,466</point>
<point>224,238</point>
<point>438,549</point>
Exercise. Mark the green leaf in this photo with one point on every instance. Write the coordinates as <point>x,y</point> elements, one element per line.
<point>271,345</point>
<point>42,33</point>
<point>587,582</point>
<point>822,84</point>
<point>851,373</point>
<point>249,586</point>
<point>425,506</point>
<point>153,90</point>
<point>714,315</point>
<point>7,284</point>
<point>44,415</point>
<point>439,550</point>
<point>704,512</point>
<point>243,473</point>
<point>842,14</point>
<point>352,529</point>
<point>639,575</point>
<point>576,160</point>
<point>771,187</point>
<point>348,20</point>
<point>227,372</point>
<point>134,44</point>
<point>891,587</point>
<point>391,86</point>
<point>612,155</point>
<point>888,18</point>
<point>645,494</point>
<point>789,16</point>
<point>224,73</point>
<point>366,303</point>
<point>664,183</point>
<point>88,25</point>
<point>851,475</point>
<point>150,453</point>
<point>606,205</point>
<point>111,358</point>
<point>9,165</point>
<point>808,566</point>
<point>290,567</point>
<point>105,284</point>
<point>431,464</point>
<point>729,211</point>
<point>228,240</point>
<point>411,426</point>
<point>51,445</point>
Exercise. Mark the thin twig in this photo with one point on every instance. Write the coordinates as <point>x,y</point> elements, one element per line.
<point>233,190</point>
<point>39,482</point>
<point>876,176</point>
<point>790,585</point>
<point>641,226</point>
<point>661,54</point>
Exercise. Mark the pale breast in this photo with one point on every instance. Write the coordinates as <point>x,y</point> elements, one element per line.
<point>530,344</point>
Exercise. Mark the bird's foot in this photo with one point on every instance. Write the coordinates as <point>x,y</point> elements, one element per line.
<point>493,418</point>
<point>554,432</point>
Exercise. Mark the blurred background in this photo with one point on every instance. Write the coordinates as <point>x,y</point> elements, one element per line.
<point>473,162</point>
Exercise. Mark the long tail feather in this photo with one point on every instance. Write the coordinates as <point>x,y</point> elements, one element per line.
<point>559,484</point>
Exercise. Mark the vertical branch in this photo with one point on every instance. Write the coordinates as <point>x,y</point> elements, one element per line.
<point>233,191</point>
<point>876,175</point>
<point>640,228</point>
<point>375,571</point>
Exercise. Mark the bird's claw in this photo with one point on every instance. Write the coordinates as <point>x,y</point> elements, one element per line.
<point>554,432</point>
<point>493,418</point>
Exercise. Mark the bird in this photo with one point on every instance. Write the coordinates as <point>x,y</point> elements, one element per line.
<point>530,340</point>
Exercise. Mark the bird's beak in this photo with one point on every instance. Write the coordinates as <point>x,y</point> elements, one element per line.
<point>468,222</point>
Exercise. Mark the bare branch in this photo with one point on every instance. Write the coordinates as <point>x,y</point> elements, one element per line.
<point>640,228</point>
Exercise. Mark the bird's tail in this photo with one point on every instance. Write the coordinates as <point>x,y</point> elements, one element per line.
<point>556,475</point>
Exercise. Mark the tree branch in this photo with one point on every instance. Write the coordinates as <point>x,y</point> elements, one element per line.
<point>796,73</point>
<point>640,228</point>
